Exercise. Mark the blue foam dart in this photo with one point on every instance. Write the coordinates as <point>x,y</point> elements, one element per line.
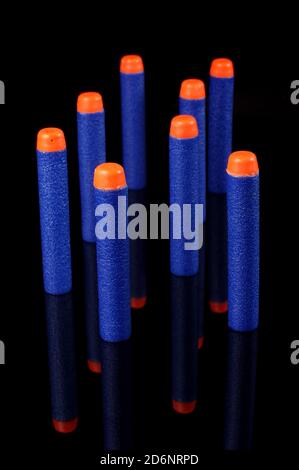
<point>243,241</point>
<point>91,152</point>
<point>62,361</point>
<point>220,118</point>
<point>184,334</point>
<point>192,101</point>
<point>54,211</point>
<point>184,189</point>
<point>133,120</point>
<point>112,252</point>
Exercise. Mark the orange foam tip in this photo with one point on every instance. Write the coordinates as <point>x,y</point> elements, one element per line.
<point>94,366</point>
<point>131,64</point>
<point>65,426</point>
<point>218,307</point>
<point>50,139</point>
<point>109,176</point>
<point>200,342</point>
<point>183,126</point>
<point>184,407</point>
<point>90,102</point>
<point>222,68</point>
<point>193,89</point>
<point>138,302</point>
<point>242,163</point>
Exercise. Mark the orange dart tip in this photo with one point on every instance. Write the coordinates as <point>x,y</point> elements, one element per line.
<point>183,126</point>
<point>90,102</point>
<point>193,89</point>
<point>222,68</point>
<point>131,64</point>
<point>109,176</point>
<point>242,163</point>
<point>50,139</point>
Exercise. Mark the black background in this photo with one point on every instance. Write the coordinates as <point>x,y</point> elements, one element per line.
<point>44,94</point>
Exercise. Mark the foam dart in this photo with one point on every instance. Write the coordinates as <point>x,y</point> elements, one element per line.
<point>138,258</point>
<point>192,101</point>
<point>91,308</point>
<point>184,188</point>
<point>62,362</point>
<point>133,120</point>
<point>113,268</point>
<point>117,395</point>
<point>220,119</point>
<point>243,241</point>
<point>184,317</point>
<point>240,390</point>
<point>54,210</point>
<point>91,152</point>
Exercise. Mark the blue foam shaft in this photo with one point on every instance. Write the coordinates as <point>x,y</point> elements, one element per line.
<point>61,356</point>
<point>197,108</point>
<point>184,315</point>
<point>243,252</point>
<point>133,128</point>
<point>220,121</point>
<point>184,189</point>
<point>91,152</point>
<point>54,221</point>
<point>91,302</point>
<point>113,273</point>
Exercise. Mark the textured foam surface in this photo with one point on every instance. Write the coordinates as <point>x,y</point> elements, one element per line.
<point>91,302</point>
<point>240,390</point>
<point>184,317</point>
<point>137,254</point>
<point>61,356</point>
<point>243,252</point>
<point>197,108</point>
<point>217,247</point>
<point>113,276</point>
<point>133,129</point>
<point>117,395</point>
<point>54,221</point>
<point>220,120</point>
<point>184,189</point>
<point>91,152</point>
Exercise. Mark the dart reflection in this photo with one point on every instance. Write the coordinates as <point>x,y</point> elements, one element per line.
<point>240,390</point>
<point>62,361</point>
<point>184,313</point>
<point>91,307</point>
<point>117,395</point>
<point>137,258</point>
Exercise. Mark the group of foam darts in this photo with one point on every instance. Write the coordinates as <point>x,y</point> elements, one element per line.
<point>228,191</point>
